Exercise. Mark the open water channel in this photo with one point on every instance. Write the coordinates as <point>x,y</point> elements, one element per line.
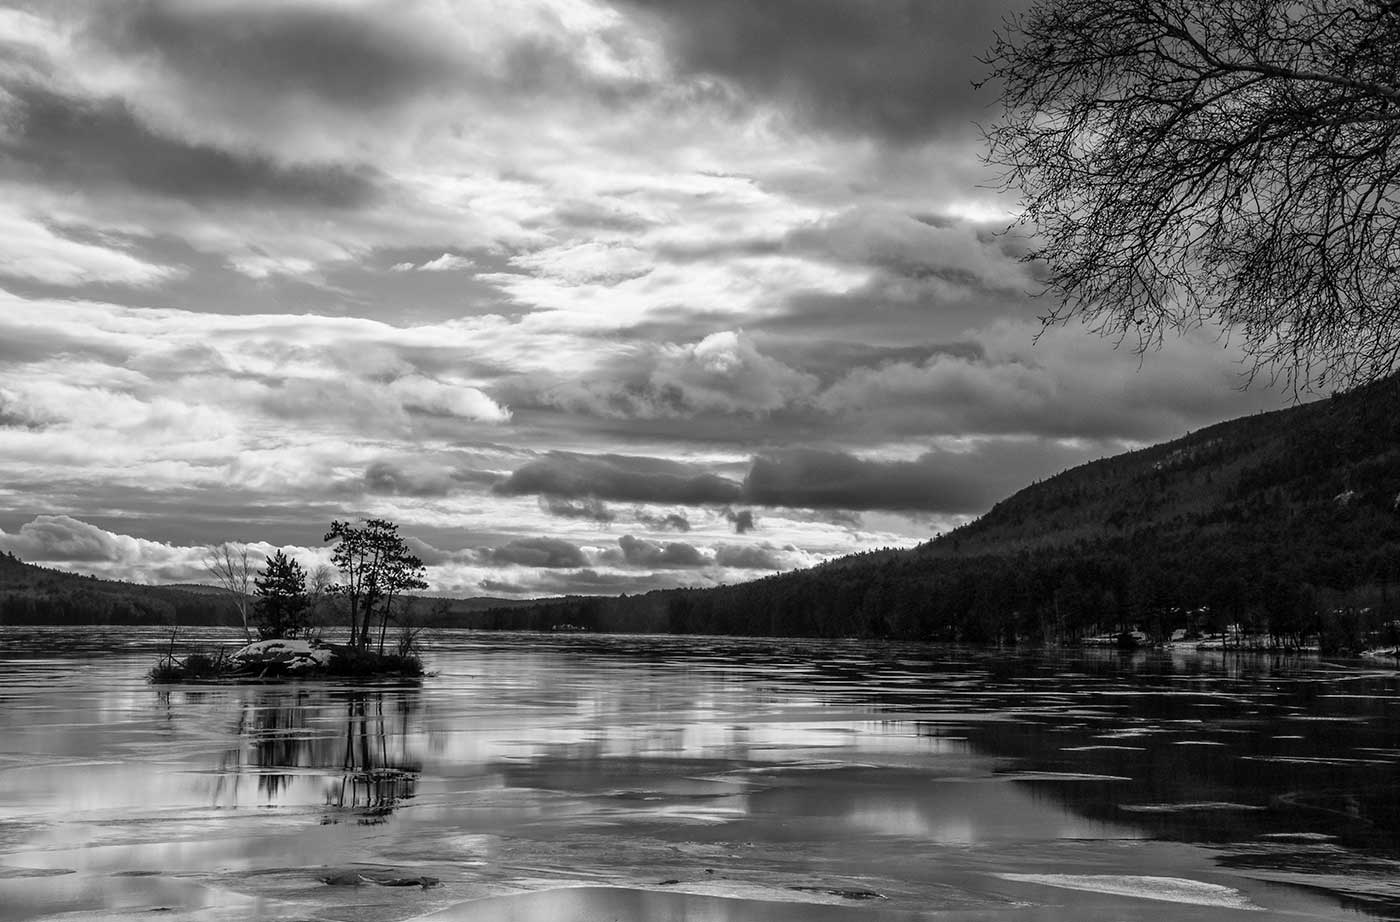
<point>581,778</point>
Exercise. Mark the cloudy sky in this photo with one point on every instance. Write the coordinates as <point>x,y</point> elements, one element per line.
<point>587,296</point>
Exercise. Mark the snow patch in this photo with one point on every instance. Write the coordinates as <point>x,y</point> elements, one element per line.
<point>1162,889</point>
<point>293,655</point>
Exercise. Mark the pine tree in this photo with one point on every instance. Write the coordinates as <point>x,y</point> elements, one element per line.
<point>281,597</point>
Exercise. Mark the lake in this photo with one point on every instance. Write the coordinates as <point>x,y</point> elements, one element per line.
<point>582,777</point>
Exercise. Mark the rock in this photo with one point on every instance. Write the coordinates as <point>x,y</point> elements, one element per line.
<point>854,893</point>
<point>354,877</point>
<point>283,654</point>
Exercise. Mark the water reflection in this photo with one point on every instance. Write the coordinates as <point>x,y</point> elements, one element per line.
<point>713,769</point>
<point>354,747</point>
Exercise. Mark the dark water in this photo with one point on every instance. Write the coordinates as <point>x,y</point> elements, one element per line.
<point>548,777</point>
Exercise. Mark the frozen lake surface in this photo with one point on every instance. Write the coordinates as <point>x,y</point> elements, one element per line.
<point>581,777</point>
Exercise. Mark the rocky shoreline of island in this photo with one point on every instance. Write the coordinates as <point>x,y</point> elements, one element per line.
<point>284,659</point>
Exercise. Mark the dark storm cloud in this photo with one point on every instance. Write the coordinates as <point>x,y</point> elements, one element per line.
<point>554,553</point>
<point>742,520</point>
<point>421,478</point>
<point>241,56</point>
<point>590,508</point>
<point>94,142</point>
<point>950,482</point>
<point>332,53</point>
<point>618,477</point>
<point>900,69</point>
<point>639,552</point>
<point>937,481</point>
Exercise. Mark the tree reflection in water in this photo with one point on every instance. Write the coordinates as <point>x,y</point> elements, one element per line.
<point>351,747</point>
<point>373,780</point>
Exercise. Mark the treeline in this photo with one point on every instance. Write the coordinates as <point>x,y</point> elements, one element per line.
<point>37,595</point>
<point>1284,524</point>
<point>1290,592</point>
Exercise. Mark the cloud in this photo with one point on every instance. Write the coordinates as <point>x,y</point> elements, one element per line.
<point>395,79</point>
<point>334,53</point>
<point>1063,384</point>
<point>403,405</point>
<point>899,70</point>
<point>742,520</point>
<point>71,543</point>
<point>421,478</point>
<point>937,481</point>
<point>553,553</point>
<point>723,373</point>
<point>447,262</point>
<point>445,399</point>
<point>85,143</point>
<point>430,555</point>
<point>34,251</point>
<point>958,253</point>
<point>639,552</point>
<point>953,481</point>
<point>673,521</point>
<point>619,477</point>
<point>759,557</point>
<point>591,508</point>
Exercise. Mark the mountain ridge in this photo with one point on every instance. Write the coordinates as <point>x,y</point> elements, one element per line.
<point>1287,520</point>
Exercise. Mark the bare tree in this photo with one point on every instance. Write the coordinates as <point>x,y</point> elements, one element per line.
<point>231,565</point>
<point>1221,162</point>
<point>320,596</point>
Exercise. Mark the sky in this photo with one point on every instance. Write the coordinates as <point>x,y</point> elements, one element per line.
<point>588,297</point>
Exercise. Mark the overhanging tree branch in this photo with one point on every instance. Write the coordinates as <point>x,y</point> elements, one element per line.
<point>1225,162</point>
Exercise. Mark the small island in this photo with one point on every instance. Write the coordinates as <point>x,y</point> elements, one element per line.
<point>377,571</point>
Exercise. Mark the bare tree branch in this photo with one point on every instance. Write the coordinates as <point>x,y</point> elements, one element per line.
<point>230,564</point>
<point>1223,162</point>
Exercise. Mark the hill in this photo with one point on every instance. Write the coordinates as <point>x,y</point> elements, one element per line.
<point>31,594</point>
<point>1287,522</point>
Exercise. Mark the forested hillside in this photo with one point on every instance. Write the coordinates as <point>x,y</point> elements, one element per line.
<point>38,595</point>
<point>1286,522</point>
<point>32,594</point>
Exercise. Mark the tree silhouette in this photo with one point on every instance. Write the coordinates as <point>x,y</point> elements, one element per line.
<point>1213,162</point>
<point>281,599</point>
<point>376,569</point>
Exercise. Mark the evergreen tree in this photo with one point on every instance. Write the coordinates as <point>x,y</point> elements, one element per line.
<point>280,597</point>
